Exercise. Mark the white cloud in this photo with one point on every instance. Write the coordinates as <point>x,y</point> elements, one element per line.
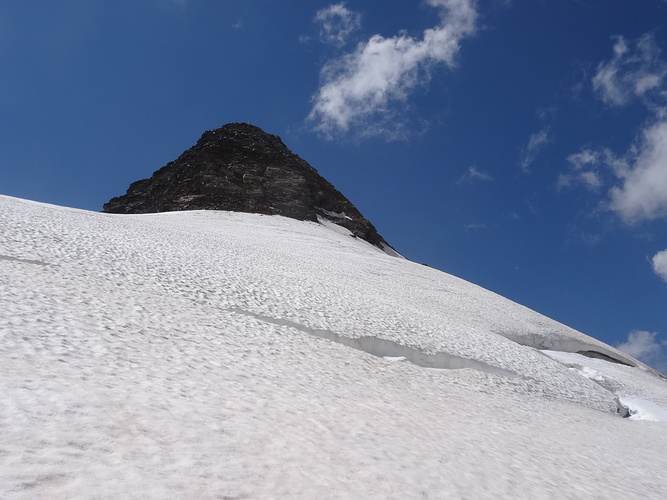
<point>635,71</point>
<point>641,175</point>
<point>337,23</point>
<point>536,143</point>
<point>632,72</point>
<point>582,171</point>
<point>589,179</point>
<point>584,158</point>
<point>359,89</point>
<point>642,345</point>
<point>659,262</point>
<point>474,174</point>
<point>643,194</point>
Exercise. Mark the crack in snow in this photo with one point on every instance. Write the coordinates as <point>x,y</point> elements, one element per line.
<point>387,348</point>
<point>602,356</point>
<point>25,261</point>
<point>607,383</point>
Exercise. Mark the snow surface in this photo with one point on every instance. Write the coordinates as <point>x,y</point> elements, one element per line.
<point>228,355</point>
<point>645,397</point>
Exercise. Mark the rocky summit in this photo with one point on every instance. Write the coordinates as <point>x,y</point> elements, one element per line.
<point>241,168</point>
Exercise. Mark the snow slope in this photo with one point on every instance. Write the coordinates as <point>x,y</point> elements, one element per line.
<point>228,355</point>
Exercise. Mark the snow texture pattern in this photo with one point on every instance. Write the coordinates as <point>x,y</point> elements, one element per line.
<point>228,355</point>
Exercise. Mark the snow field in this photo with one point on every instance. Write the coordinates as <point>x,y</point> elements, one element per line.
<point>180,356</point>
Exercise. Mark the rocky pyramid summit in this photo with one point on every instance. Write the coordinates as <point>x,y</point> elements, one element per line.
<point>241,168</point>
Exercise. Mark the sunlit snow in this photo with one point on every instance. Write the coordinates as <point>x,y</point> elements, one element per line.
<point>228,355</point>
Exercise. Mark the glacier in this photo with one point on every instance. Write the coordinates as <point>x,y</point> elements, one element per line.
<point>211,354</point>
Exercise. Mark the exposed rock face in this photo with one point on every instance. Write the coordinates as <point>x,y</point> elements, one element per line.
<point>241,168</point>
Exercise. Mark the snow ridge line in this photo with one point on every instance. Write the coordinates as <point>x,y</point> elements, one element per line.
<point>387,348</point>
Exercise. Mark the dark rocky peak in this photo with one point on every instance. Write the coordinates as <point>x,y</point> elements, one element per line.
<point>241,168</point>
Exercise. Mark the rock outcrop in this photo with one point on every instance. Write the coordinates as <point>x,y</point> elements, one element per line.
<point>241,168</point>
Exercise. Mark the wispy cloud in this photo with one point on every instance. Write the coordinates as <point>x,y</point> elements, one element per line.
<point>474,175</point>
<point>474,227</point>
<point>635,70</point>
<point>659,262</point>
<point>584,158</point>
<point>644,346</point>
<point>337,23</point>
<point>536,143</point>
<point>582,172</point>
<point>359,90</point>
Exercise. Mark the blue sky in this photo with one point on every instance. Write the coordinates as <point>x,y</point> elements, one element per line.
<point>518,144</point>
